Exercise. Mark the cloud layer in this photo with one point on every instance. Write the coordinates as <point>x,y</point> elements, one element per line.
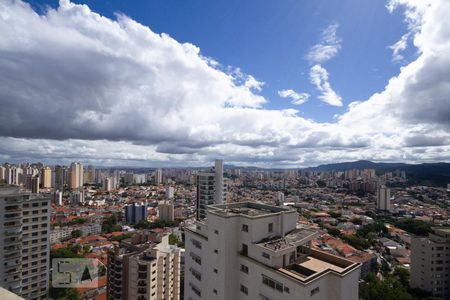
<point>77,85</point>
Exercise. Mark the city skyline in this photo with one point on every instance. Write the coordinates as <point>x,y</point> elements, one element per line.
<point>114,85</point>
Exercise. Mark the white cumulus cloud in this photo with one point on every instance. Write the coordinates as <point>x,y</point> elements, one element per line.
<point>296,98</point>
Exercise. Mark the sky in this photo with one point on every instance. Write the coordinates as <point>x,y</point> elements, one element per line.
<point>264,83</point>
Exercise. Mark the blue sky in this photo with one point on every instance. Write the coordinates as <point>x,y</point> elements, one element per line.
<point>269,40</point>
<point>343,80</point>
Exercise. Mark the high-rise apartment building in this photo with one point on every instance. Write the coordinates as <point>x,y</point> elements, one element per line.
<point>46,177</point>
<point>2,174</point>
<point>383,198</point>
<point>25,248</point>
<point>254,251</point>
<point>211,189</point>
<point>61,177</point>
<point>33,183</point>
<point>76,175</point>
<point>430,263</point>
<point>141,269</point>
<point>170,192</point>
<point>165,210</point>
<point>158,176</point>
<point>136,212</point>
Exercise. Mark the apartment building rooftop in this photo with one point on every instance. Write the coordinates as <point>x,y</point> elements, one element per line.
<point>248,209</point>
<point>316,264</point>
<point>296,237</point>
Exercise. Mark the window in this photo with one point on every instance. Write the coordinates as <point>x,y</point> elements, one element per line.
<point>196,258</point>
<point>244,249</point>
<point>215,291</point>
<point>244,227</point>
<point>272,283</point>
<point>216,251</point>
<point>215,271</point>
<point>196,274</point>
<point>196,290</point>
<point>216,231</point>
<point>244,269</point>
<point>315,291</point>
<point>265,255</point>
<point>270,227</point>
<point>196,243</point>
<point>244,289</point>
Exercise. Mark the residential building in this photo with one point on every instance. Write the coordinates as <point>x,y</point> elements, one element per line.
<point>430,263</point>
<point>46,177</point>
<point>254,251</point>
<point>76,176</point>
<point>61,177</point>
<point>32,183</point>
<point>144,267</point>
<point>158,176</point>
<point>25,248</point>
<point>170,192</point>
<point>383,198</point>
<point>211,189</point>
<point>166,211</point>
<point>134,213</point>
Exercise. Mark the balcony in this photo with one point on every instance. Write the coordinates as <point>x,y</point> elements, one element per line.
<point>142,291</point>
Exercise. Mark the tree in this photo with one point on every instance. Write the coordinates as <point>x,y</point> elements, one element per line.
<point>173,239</point>
<point>334,232</point>
<point>417,227</point>
<point>75,233</point>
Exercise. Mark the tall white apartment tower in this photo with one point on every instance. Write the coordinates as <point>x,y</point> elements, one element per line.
<point>211,189</point>
<point>24,242</point>
<point>253,251</point>
<point>383,198</point>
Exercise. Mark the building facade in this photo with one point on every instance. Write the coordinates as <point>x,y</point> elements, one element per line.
<point>142,269</point>
<point>134,213</point>
<point>430,263</point>
<point>76,174</point>
<point>211,189</point>
<point>253,251</point>
<point>383,198</point>
<point>25,244</point>
<point>166,211</point>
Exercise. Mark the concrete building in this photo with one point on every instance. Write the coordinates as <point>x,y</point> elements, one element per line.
<point>46,177</point>
<point>157,176</point>
<point>254,251</point>
<point>76,176</point>
<point>107,184</point>
<point>430,263</point>
<point>3,174</point>
<point>61,177</point>
<point>170,192</point>
<point>134,213</point>
<point>211,189</point>
<point>32,183</point>
<point>142,268</point>
<point>383,198</point>
<point>166,211</point>
<point>25,247</point>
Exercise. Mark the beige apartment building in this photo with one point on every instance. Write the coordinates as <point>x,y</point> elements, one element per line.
<point>142,269</point>
<point>430,263</point>
<point>254,251</point>
<point>24,242</point>
<point>46,178</point>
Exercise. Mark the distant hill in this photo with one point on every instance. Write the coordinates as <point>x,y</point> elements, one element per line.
<point>434,174</point>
